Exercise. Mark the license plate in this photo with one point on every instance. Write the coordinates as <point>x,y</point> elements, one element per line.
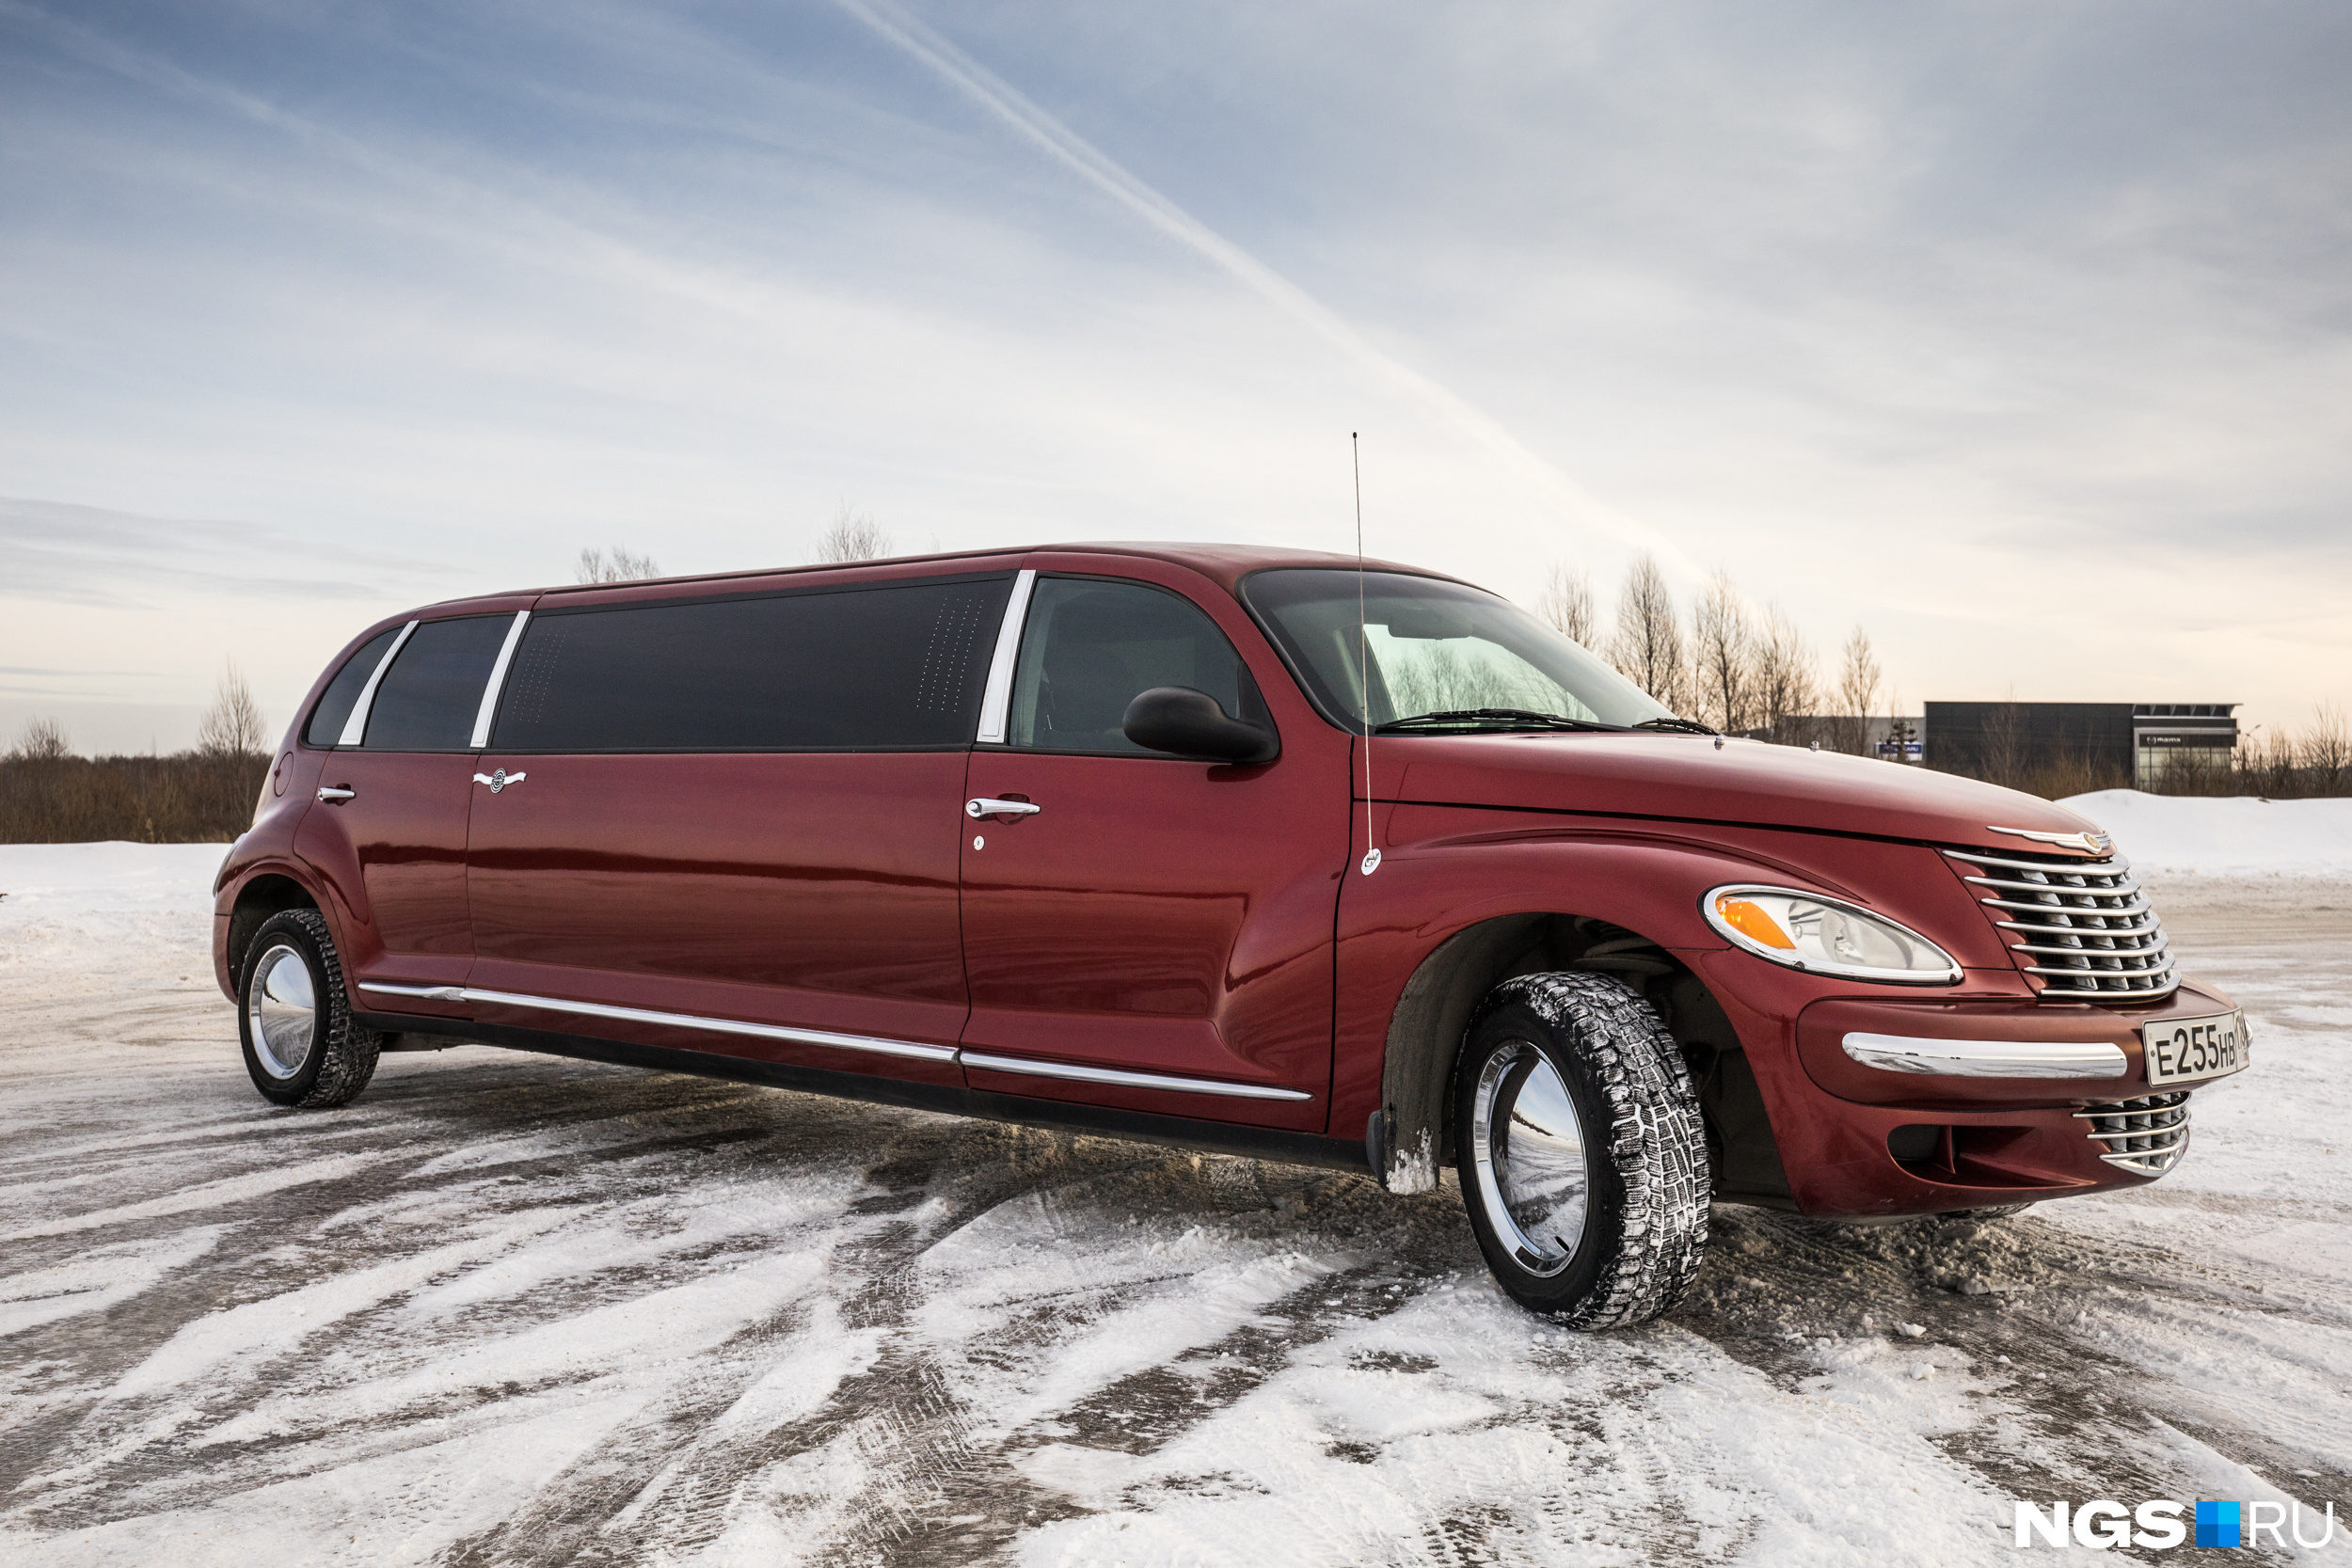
<point>2183,1049</point>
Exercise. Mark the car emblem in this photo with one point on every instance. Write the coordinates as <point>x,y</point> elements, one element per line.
<point>500,780</point>
<point>2090,843</point>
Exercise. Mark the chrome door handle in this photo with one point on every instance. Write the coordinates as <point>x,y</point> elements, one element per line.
<point>986,807</point>
<point>333,796</point>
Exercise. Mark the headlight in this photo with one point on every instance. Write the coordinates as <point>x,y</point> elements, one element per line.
<point>1807,932</point>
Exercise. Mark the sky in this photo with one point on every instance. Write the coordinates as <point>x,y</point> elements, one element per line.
<point>2019,335</point>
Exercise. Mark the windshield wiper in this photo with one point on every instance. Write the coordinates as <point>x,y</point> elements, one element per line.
<point>1490,718</point>
<point>1692,725</point>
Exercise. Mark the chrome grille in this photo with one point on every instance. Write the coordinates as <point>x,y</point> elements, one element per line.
<point>2081,929</point>
<point>2148,1135</point>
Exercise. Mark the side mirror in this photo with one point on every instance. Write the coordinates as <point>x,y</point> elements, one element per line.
<point>1189,723</point>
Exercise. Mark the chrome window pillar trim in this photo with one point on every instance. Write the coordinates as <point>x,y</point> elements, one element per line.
<point>489,708</point>
<point>996,698</point>
<point>1028,1068</point>
<point>673,1020</point>
<point>356,728</point>
<point>1987,1058</point>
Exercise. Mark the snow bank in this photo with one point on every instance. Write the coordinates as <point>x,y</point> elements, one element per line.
<point>52,879</point>
<point>2174,832</point>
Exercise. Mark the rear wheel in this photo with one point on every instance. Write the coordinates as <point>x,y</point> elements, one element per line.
<point>302,1047</point>
<point>1581,1150</point>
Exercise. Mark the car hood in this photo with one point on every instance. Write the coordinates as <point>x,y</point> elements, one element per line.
<point>1688,778</point>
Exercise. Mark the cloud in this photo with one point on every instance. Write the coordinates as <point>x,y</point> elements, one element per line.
<point>88,555</point>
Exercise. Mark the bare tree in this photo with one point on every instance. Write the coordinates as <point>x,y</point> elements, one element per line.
<point>1723,649</point>
<point>1857,694</point>
<point>2325,754</point>
<point>1648,649</point>
<point>1567,602</point>
<point>1788,690</point>
<point>853,535</point>
<point>613,565</point>
<point>42,740</point>
<point>233,726</point>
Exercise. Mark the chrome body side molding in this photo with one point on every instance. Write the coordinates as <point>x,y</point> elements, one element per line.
<point>987,1062</point>
<point>672,1020</point>
<point>1988,1058</point>
<point>1030,1069</point>
<point>489,708</point>
<point>356,728</point>
<point>996,698</point>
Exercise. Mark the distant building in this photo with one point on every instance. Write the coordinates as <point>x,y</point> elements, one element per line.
<point>2142,741</point>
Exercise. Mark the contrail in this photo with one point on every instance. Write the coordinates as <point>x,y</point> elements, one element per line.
<point>1058,142</point>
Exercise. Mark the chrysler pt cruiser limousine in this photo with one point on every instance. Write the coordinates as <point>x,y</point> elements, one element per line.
<point>1220,847</point>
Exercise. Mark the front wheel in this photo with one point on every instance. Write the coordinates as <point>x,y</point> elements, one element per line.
<point>302,1046</point>
<point>1581,1150</point>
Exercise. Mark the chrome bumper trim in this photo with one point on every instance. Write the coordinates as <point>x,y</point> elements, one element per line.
<point>1988,1058</point>
<point>1029,1069</point>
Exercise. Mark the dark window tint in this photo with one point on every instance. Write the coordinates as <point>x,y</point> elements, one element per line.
<point>433,691</point>
<point>342,693</point>
<point>869,668</point>
<point>1090,646</point>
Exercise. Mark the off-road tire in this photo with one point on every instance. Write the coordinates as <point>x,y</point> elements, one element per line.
<point>1645,1147</point>
<point>342,1054</point>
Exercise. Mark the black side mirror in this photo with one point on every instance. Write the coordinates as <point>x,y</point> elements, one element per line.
<point>1189,723</point>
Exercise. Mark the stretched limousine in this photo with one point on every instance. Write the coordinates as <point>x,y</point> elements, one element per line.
<point>1237,848</point>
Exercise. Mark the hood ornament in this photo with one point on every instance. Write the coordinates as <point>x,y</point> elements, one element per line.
<point>2091,842</point>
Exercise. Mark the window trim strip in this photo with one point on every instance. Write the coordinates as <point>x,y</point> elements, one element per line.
<point>489,708</point>
<point>996,697</point>
<point>356,728</point>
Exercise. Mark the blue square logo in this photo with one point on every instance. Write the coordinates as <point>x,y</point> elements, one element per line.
<point>2217,1525</point>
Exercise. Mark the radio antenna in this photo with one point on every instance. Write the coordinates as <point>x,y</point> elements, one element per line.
<point>1363,653</point>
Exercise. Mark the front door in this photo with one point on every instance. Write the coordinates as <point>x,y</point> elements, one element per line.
<point>728,823</point>
<point>390,824</point>
<point>1156,935</point>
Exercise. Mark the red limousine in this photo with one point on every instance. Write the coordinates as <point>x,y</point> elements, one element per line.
<point>1221,847</point>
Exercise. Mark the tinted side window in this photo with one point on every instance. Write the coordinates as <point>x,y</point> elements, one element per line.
<point>1090,646</point>
<point>430,695</point>
<point>334,710</point>
<point>889,668</point>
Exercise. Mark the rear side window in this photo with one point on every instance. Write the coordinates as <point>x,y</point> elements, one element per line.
<point>431,694</point>
<point>1092,646</point>
<point>334,710</point>
<point>897,667</point>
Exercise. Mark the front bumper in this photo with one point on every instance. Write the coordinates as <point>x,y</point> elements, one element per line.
<point>1922,1103</point>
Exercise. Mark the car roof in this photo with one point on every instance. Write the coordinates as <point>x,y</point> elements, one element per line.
<point>1225,564</point>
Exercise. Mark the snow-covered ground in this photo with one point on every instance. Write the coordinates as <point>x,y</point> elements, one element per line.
<point>510,1308</point>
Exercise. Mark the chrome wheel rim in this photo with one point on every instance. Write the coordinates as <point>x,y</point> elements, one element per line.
<point>282,1012</point>
<point>1535,1181</point>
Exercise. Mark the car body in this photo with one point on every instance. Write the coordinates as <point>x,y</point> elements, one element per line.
<point>1193,951</point>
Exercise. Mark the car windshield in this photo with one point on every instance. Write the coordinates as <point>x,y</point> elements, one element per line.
<point>1443,657</point>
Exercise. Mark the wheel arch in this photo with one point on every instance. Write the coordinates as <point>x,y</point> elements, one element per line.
<point>263,894</point>
<point>1412,1134</point>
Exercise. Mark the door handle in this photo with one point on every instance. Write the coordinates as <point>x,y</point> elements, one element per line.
<point>334,797</point>
<point>986,807</point>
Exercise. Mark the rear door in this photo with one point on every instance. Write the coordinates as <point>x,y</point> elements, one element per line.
<point>1156,935</point>
<point>729,822</point>
<point>389,827</point>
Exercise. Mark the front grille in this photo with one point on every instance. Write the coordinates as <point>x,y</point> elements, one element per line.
<point>2081,930</point>
<point>2148,1135</point>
